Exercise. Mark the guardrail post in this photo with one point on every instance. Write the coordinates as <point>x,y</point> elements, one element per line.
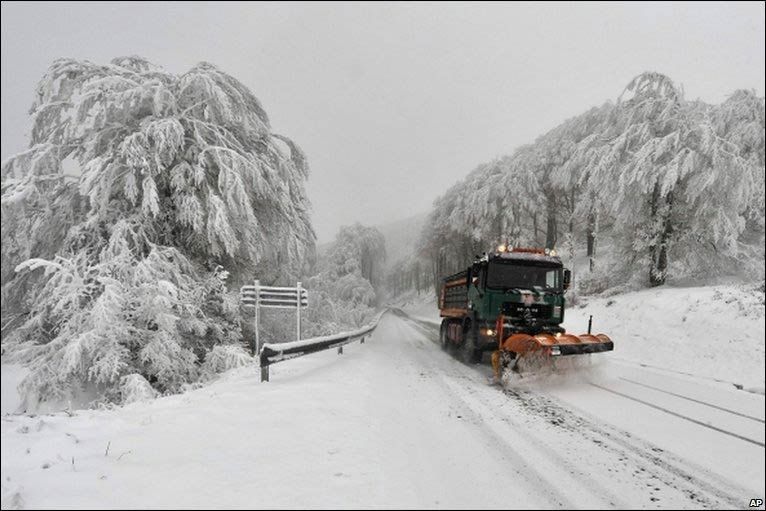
<point>264,367</point>
<point>298,309</point>
<point>257,306</point>
<point>340,350</point>
<point>361,341</point>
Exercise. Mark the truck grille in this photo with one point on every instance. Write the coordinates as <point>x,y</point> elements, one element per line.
<point>519,310</point>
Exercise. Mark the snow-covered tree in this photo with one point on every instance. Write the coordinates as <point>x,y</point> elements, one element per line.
<point>740,120</point>
<point>358,249</point>
<point>673,186</point>
<point>344,291</point>
<point>142,193</point>
<point>676,189</point>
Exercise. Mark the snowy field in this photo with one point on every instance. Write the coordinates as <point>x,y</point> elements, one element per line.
<point>396,422</point>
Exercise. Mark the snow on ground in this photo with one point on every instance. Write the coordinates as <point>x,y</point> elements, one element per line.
<point>421,306</point>
<point>396,422</point>
<point>393,423</point>
<point>374,427</point>
<point>715,332</point>
<point>12,374</point>
<point>294,442</point>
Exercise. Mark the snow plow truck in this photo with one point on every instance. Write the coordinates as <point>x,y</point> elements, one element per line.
<point>511,302</point>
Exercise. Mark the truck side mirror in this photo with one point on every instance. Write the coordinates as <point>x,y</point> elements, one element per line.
<point>567,279</point>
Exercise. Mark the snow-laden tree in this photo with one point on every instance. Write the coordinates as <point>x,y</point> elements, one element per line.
<point>521,198</point>
<point>740,120</point>
<point>676,189</point>
<point>493,213</point>
<point>495,203</point>
<point>140,191</point>
<point>571,178</point>
<point>345,289</point>
<point>410,272</point>
<point>447,240</point>
<point>358,249</point>
<point>672,186</point>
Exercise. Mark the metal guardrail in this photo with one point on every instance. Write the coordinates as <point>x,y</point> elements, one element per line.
<point>273,353</point>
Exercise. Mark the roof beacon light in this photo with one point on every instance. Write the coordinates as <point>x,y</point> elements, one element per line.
<point>553,253</point>
<point>501,248</point>
<point>547,251</point>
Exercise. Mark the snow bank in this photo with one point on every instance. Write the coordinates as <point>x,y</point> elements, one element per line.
<point>419,306</point>
<point>715,332</point>
<point>12,374</point>
<point>232,444</point>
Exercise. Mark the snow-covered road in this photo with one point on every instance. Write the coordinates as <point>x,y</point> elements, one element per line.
<point>396,423</point>
<point>618,434</point>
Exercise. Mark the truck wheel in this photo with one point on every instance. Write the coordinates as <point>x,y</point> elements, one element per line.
<point>443,340</point>
<point>469,353</point>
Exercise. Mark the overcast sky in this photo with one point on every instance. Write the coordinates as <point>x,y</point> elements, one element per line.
<point>395,102</point>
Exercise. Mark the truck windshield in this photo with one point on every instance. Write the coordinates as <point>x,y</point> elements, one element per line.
<point>523,275</point>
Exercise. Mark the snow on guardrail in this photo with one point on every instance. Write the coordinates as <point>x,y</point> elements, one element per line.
<point>271,353</point>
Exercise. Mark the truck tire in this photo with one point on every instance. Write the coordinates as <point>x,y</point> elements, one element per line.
<point>443,340</point>
<point>469,353</point>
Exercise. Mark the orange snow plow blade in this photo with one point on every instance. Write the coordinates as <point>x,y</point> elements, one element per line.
<point>535,350</point>
<point>556,345</point>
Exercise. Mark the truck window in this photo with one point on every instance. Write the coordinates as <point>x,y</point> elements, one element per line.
<point>524,276</point>
<point>550,278</point>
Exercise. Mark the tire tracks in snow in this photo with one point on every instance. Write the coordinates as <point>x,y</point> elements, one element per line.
<point>698,484</point>
<point>647,463</point>
<point>681,416</point>
<point>705,403</point>
<point>736,385</point>
<point>520,467</point>
<point>521,474</point>
<point>532,458</point>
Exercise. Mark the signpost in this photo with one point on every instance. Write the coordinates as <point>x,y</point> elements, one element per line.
<point>259,296</point>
